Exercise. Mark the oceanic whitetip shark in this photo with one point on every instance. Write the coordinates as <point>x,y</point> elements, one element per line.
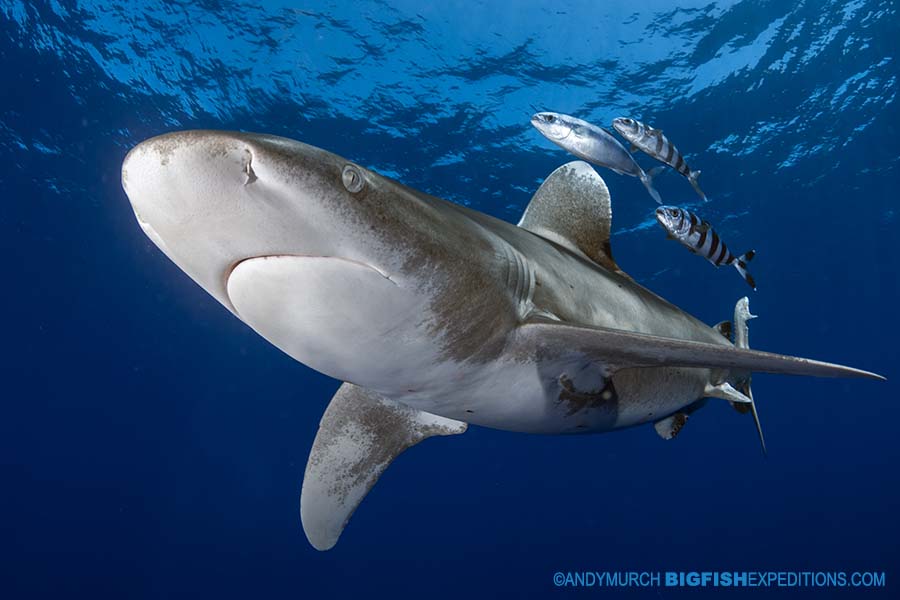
<point>434,315</point>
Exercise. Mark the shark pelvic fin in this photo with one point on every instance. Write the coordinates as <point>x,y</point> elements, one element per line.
<point>669,427</point>
<point>572,208</point>
<point>618,349</point>
<point>360,434</point>
<point>726,391</point>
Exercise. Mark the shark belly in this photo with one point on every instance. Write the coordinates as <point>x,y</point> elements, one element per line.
<point>555,398</point>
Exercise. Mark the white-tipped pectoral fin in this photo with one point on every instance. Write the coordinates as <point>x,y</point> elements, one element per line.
<point>360,434</point>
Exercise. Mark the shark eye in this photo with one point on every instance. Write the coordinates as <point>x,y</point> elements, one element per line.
<point>353,179</point>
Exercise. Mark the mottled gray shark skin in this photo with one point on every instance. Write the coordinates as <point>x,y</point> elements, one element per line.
<point>435,315</point>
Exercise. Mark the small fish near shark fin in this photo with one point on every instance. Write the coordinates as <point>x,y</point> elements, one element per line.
<point>647,179</point>
<point>619,349</point>
<point>359,435</point>
<point>693,178</point>
<point>572,208</point>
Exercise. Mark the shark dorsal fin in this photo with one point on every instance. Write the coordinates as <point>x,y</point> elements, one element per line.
<point>572,209</point>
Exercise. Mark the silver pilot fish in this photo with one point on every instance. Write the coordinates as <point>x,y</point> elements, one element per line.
<point>593,144</point>
<point>700,238</point>
<point>652,141</point>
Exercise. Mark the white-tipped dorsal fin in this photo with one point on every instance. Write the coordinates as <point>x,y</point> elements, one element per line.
<point>360,434</point>
<point>572,208</point>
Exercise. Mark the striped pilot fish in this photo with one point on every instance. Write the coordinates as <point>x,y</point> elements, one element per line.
<point>593,144</point>
<point>652,141</point>
<point>699,237</point>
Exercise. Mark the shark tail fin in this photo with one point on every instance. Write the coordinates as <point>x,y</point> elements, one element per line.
<point>740,263</point>
<point>647,180</point>
<point>745,389</point>
<point>693,177</point>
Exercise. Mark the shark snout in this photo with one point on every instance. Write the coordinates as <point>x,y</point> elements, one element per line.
<point>198,196</point>
<point>185,176</point>
<point>212,199</point>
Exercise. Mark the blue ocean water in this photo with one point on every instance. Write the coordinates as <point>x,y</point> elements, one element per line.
<point>151,445</point>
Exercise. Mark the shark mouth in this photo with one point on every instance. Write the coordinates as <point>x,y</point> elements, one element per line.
<point>292,257</point>
<point>332,314</point>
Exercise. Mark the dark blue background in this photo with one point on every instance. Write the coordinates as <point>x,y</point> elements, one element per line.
<point>151,445</point>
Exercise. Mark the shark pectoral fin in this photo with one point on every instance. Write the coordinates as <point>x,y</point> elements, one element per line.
<point>572,208</point>
<point>360,434</point>
<point>619,349</point>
